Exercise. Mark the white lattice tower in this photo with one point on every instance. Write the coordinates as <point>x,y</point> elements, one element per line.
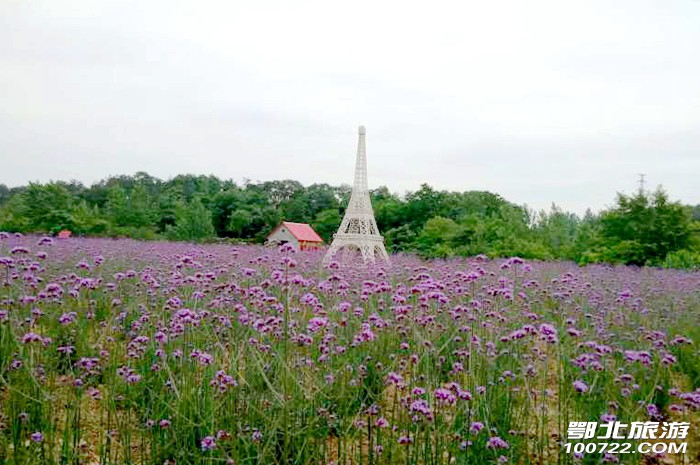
<point>358,231</point>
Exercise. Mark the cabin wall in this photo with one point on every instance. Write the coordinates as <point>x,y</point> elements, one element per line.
<point>281,235</point>
<point>306,245</point>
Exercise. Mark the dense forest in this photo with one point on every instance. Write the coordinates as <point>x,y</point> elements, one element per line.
<point>645,228</point>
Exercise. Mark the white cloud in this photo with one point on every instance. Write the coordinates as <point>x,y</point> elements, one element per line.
<point>541,102</point>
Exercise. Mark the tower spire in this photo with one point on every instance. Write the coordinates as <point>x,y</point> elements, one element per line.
<point>360,184</point>
<point>358,231</point>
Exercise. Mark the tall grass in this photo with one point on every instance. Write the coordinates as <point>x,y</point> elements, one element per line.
<point>122,352</point>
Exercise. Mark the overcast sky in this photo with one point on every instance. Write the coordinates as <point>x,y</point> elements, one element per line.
<point>538,101</point>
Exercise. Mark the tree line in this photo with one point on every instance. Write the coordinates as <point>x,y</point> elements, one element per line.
<point>645,228</point>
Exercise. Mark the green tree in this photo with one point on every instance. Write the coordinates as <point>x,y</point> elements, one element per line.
<point>193,223</point>
<point>423,205</point>
<point>587,239</point>
<point>166,214</point>
<point>320,197</point>
<point>117,205</point>
<point>326,223</point>
<point>695,213</point>
<point>438,236</point>
<point>640,229</point>
<point>13,215</point>
<point>643,228</point>
<point>556,230</point>
<point>238,222</point>
<point>389,210</point>
<point>48,207</point>
<point>280,192</point>
<point>5,194</point>
<point>88,220</point>
<point>400,239</point>
<point>139,213</point>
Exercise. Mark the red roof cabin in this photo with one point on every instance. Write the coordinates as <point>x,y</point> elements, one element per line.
<point>300,235</point>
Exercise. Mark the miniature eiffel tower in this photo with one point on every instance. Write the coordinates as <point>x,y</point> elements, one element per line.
<point>358,231</point>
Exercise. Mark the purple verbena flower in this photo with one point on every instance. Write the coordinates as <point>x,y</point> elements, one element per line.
<point>208,443</point>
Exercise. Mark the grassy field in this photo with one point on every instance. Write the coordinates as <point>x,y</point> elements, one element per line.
<point>120,351</point>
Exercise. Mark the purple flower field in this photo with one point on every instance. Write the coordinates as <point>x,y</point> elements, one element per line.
<point>120,351</point>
